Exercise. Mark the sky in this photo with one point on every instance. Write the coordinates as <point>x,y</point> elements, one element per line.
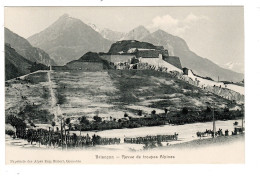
<point>215,33</point>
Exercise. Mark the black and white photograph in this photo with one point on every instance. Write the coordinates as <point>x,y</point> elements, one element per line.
<point>124,85</point>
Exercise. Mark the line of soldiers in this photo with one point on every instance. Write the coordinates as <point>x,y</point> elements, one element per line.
<point>158,138</point>
<point>55,139</point>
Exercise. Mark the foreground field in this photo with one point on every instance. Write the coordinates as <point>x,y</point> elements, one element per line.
<point>210,151</point>
<point>187,136</point>
<point>224,140</point>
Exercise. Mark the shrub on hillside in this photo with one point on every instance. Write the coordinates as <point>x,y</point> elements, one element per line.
<point>15,122</point>
<point>185,110</point>
<point>140,113</point>
<point>9,132</point>
<point>97,119</point>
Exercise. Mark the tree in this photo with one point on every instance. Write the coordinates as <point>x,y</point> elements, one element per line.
<point>140,113</point>
<point>15,122</point>
<point>226,110</point>
<point>165,110</point>
<point>125,115</point>
<point>67,121</point>
<point>208,109</point>
<point>153,112</point>
<point>97,119</point>
<point>185,110</point>
<point>84,121</point>
<point>53,124</point>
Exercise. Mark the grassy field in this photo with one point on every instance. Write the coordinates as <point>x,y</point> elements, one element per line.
<point>84,93</point>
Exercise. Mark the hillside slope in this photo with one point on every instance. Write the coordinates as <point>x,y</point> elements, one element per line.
<point>148,90</point>
<point>25,49</point>
<point>15,64</point>
<point>110,94</point>
<point>68,38</point>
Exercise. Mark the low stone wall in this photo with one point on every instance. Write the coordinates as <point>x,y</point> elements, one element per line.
<point>175,61</point>
<point>220,91</point>
<point>117,58</point>
<point>85,66</point>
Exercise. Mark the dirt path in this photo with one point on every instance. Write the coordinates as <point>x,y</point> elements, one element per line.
<point>53,97</point>
<point>23,76</point>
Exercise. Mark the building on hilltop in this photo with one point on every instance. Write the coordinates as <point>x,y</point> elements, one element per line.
<point>148,54</point>
<point>115,58</point>
<point>131,46</point>
<point>85,66</point>
<point>88,62</point>
<point>128,53</point>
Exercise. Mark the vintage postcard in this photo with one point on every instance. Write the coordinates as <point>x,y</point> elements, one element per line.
<point>124,85</point>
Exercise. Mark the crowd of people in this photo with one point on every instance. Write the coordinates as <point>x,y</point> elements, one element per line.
<point>147,139</point>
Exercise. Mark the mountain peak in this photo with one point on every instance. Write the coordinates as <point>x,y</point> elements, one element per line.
<point>66,18</point>
<point>69,38</point>
<point>137,33</point>
<point>160,31</point>
<point>140,28</point>
<point>65,15</point>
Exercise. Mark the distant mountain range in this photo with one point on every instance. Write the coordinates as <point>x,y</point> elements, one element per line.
<point>25,49</point>
<point>112,35</point>
<point>69,38</point>
<point>201,66</point>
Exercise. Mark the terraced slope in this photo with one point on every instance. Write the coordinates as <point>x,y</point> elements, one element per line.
<point>108,94</point>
